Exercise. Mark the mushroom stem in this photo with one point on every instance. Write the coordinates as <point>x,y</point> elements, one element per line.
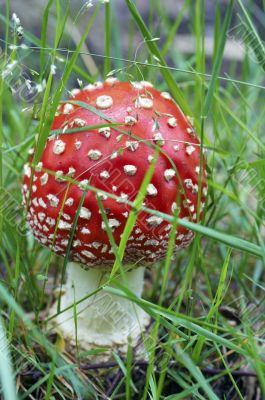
<point>103,319</point>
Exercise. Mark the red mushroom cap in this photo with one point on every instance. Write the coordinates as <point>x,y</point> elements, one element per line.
<point>115,163</point>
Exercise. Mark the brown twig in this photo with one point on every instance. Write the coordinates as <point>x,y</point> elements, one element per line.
<point>144,363</point>
<point>238,372</point>
<point>114,383</point>
<point>110,364</point>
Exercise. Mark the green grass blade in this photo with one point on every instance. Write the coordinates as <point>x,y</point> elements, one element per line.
<point>107,40</point>
<point>186,361</point>
<point>69,244</point>
<point>7,382</point>
<point>218,58</point>
<point>153,48</point>
<point>253,38</point>
<point>45,131</point>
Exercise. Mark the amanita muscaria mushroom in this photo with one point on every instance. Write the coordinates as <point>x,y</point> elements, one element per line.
<point>115,163</point>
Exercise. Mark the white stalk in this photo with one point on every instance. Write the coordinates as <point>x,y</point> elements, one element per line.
<point>103,319</point>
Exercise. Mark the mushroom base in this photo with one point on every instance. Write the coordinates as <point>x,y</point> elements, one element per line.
<point>103,320</point>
